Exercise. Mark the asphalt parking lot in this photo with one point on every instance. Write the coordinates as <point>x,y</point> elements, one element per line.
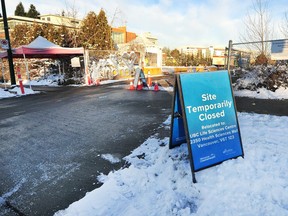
<point>52,144</point>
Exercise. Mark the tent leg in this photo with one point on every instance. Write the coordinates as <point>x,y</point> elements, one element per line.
<point>59,68</point>
<point>27,71</point>
<point>63,69</point>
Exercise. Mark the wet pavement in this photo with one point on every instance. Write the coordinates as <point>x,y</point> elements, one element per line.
<point>53,143</point>
<point>262,106</point>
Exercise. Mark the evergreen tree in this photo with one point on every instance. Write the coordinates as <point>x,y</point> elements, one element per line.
<point>32,12</point>
<point>24,34</point>
<point>103,34</point>
<point>88,31</point>
<point>35,31</point>
<point>95,33</point>
<point>50,32</point>
<point>19,35</point>
<point>176,56</point>
<point>63,37</point>
<point>166,50</point>
<point>20,11</point>
<point>73,38</point>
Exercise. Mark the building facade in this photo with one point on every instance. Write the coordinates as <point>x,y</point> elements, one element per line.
<point>121,36</point>
<point>55,20</point>
<point>151,53</point>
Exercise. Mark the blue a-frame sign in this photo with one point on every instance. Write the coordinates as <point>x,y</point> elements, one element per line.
<point>204,116</point>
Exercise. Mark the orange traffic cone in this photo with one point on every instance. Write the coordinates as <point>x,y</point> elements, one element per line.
<point>156,87</point>
<point>139,86</point>
<point>149,81</point>
<point>97,82</point>
<point>89,80</point>
<point>131,87</point>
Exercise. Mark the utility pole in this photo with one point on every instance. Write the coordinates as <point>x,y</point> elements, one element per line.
<point>9,51</point>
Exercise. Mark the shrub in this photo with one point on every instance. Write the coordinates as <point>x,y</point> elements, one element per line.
<point>260,76</point>
<point>261,60</point>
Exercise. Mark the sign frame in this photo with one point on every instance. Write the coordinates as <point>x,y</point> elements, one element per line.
<point>177,135</point>
<point>220,146</point>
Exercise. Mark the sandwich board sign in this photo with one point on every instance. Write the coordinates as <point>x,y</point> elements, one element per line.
<point>204,116</point>
<point>139,75</point>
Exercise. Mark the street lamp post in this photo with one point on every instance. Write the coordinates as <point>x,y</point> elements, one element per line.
<point>9,51</point>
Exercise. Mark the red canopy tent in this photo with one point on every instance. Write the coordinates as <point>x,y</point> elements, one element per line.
<point>42,48</point>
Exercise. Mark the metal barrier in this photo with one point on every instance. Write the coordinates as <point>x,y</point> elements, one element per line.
<point>244,53</point>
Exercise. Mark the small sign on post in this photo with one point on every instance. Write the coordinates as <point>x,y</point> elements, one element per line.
<point>4,44</point>
<point>204,116</point>
<point>279,50</point>
<point>75,62</point>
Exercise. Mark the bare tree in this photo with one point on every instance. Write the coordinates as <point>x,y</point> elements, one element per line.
<point>258,26</point>
<point>284,25</point>
<point>118,18</point>
<point>70,19</point>
<point>71,10</point>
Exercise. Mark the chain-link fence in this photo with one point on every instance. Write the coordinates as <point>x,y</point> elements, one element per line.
<point>259,64</point>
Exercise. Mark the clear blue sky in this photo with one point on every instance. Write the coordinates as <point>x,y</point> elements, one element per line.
<point>174,22</point>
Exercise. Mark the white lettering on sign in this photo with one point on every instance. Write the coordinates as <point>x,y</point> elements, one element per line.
<point>203,109</point>
<point>207,97</point>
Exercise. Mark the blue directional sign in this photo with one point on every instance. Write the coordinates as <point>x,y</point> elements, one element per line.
<point>209,118</point>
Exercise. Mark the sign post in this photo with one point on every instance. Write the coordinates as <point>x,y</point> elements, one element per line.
<point>9,50</point>
<point>205,104</point>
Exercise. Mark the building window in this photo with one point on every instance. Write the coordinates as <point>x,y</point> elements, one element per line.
<point>118,38</point>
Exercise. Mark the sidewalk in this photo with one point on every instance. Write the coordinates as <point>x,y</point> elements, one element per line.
<point>262,106</point>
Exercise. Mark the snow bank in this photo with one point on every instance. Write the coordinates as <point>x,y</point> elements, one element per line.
<point>50,80</point>
<point>4,93</point>
<point>262,93</point>
<point>159,181</point>
<point>271,77</point>
<point>15,92</point>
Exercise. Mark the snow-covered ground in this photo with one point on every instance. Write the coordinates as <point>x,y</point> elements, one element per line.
<point>263,93</point>
<point>15,92</point>
<point>159,181</point>
<point>280,93</point>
